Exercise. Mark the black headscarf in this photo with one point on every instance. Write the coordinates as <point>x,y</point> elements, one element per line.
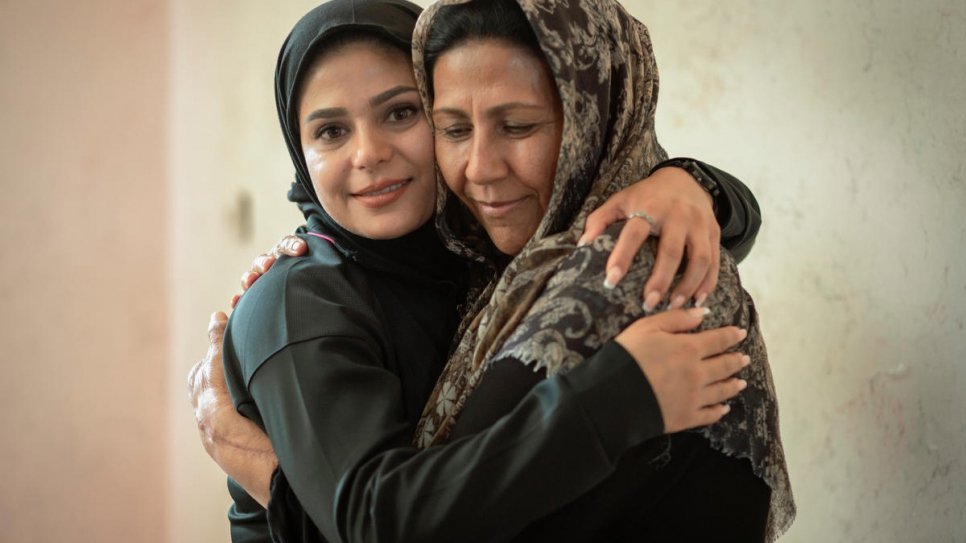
<point>418,254</point>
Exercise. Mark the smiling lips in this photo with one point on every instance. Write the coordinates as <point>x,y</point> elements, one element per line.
<point>382,193</point>
<point>499,209</point>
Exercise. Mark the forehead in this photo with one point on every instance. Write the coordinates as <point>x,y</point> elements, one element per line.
<point>345,66</point>
<point>492,70</point>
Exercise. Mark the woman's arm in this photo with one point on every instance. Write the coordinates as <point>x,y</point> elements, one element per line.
<point>235,443</point>
<point>344,447</point>
<point>335,416</point>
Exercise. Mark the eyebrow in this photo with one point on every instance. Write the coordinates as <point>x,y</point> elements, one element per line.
<point>384,97</point>
<point>375,101</point>
<point>492,112</point>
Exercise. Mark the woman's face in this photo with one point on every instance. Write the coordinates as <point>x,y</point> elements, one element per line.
<point>366,142</point>
<point>498,128</point>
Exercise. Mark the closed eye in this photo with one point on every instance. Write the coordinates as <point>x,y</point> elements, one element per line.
<point>455,132</point>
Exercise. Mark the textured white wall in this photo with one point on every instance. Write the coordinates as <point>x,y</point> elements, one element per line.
<point>848,119</point>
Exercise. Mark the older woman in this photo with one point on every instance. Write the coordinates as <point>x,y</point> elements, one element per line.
<point>534,128</point>
<point>510,458</point>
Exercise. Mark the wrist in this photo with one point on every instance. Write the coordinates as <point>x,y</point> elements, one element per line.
<point>696,173</point>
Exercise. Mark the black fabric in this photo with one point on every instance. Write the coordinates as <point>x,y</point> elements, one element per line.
<point>670,488</point>
<point>348,472</point>
<point>403,324</point>
<point>673,488</point>
<point>737,213</point>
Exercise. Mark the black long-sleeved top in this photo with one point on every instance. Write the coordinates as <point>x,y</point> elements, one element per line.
<point>313,355</point>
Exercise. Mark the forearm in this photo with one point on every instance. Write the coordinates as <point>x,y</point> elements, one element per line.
<point>735,207</point>
<point>241,449</point>
<point>737,211</point>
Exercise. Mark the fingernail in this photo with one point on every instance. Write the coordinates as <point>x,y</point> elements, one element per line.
<point>613,277</point>
<point>582,241</point>
<point>745,360</point>
<point>699,301</point>
<point>677,302</point>
<point>699,311</point>
<point>296,245</point>
<point>742,334</point>
<point>727,409</point>
<point>651,300</point>
<point>742,384</point>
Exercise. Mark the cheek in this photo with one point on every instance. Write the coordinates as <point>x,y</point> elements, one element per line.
<point>541,167</point>
<point>447,160</point>
<point>314,160</point>
<point>320,168</point>
<point>424,153</point>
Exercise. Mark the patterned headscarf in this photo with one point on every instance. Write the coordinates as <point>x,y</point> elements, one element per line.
<point>537,310</point>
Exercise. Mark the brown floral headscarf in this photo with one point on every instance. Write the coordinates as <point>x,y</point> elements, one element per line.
<point>548,308</point>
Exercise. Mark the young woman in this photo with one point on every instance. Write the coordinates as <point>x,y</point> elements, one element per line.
<point>333,354</point>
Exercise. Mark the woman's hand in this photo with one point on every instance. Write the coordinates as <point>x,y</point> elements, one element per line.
<point>235,443</point>
<point>683,215</point>
<point>690,373</point>
<point>290,245</point>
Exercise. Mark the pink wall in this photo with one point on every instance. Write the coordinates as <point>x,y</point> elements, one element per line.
<point>83,285</point>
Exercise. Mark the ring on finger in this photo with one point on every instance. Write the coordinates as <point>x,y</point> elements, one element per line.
<point>647,217</point>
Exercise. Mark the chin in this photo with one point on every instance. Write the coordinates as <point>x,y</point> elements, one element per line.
<point>510,247</point>
<point>392,229</point>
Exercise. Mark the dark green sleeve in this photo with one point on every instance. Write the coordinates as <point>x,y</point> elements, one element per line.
<point>247,518</point>
<point>334,416</point>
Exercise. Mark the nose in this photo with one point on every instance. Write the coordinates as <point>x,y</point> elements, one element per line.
<point>372,149</point>
<point>485,163</point>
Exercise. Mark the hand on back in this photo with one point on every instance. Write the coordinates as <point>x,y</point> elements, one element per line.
<point>691,374</point>
<point>683,216</point>
<point>290,245</point>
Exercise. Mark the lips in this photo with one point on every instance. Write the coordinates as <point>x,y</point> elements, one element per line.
<point>498,209</point>
<point>382,193</point>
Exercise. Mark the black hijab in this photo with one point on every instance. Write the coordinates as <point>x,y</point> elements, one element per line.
<point>418,255</point>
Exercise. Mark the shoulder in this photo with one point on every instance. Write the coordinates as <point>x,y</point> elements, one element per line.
<point>576,313</point>
<point>321,294</point>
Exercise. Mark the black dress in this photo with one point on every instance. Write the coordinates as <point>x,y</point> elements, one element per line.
<point>334,360</point>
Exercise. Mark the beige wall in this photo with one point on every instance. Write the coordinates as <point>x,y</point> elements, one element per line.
<point>134,128</point>
<point>848,119</point>
<point>83,290</point>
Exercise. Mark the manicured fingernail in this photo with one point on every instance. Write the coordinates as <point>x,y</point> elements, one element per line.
<point>745,360</point>
<point>296,245</point>
<point>742,334</point>
<point>677,302</point>
<point>651,300</point>
<point>727,409</point>
<point>583,241</point>
<point>699,311</point>
<point>699,301</point>
<point>742,384</point>
<point>613,277</point>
